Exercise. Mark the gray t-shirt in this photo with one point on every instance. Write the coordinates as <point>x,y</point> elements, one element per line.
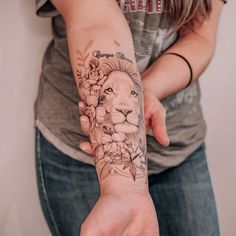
<point>56,108</point>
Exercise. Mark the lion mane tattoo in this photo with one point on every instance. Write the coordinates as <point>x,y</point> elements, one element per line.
<point>111,91</point>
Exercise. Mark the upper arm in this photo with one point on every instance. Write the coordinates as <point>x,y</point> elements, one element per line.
<point>208,29</point>
<point>89,13</point>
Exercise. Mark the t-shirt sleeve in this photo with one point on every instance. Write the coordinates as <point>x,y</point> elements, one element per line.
<point>45,8</point>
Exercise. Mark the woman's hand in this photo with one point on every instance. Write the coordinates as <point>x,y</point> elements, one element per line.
<point>122,214</point>
<point>155,117</point>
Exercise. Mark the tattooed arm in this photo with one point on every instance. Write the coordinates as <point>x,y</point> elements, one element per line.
<point>109,85</point>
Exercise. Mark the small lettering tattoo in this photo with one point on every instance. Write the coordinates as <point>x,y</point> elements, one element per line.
<point>98,54</point>
<point>122,56</point>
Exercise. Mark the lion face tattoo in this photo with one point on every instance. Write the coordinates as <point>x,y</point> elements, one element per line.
<point>121,101</point>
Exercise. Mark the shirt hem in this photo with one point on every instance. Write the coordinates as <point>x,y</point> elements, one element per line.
<point>64,148</point>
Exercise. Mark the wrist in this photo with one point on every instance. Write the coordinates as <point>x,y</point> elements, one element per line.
<point>166,76</point>
<point>152,86</point>
<point>117,184</point>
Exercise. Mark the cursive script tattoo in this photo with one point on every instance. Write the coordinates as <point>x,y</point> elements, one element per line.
<point>99,55</point>
<point>111,91</point>
<point>122,56</point>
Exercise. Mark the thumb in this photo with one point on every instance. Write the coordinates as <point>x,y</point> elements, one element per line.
<point>86,147</point>
<point>159,130</point>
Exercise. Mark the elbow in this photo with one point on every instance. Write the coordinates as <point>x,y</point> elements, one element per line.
<point>208,48</point>
<point>202,46</point>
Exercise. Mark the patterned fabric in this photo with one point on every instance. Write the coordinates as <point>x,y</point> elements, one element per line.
<point>56,107</point>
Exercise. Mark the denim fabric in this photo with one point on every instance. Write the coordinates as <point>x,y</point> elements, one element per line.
<point>182,195</point>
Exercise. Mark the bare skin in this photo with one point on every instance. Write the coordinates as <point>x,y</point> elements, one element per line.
<point>125,218</point>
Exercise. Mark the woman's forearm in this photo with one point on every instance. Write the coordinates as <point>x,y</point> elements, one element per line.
<point>110,88</point>
<point>109,85</point>
<point>170,74</point>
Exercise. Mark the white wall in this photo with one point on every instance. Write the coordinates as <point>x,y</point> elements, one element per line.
<point>219,103</point>
<point>23,38</point>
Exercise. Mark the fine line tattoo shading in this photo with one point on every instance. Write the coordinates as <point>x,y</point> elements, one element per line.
<point>111,91</point>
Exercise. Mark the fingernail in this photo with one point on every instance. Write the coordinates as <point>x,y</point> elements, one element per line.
<point>83,147</point>
<point>167,143</point>
<point>82,118</point>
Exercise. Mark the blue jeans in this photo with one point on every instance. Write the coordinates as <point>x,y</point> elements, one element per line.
<point>68,190</point>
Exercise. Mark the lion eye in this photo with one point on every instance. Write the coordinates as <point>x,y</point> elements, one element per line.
<point>108,90</point>
<point>134,93</point>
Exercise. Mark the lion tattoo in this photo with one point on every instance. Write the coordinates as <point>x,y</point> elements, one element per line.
<point>121,101</point>
<point>112,95</point>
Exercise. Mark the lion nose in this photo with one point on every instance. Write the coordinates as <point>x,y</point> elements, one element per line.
<point>125,112</point>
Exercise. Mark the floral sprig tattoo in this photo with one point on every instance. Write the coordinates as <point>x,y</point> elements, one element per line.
<point>110,88</point>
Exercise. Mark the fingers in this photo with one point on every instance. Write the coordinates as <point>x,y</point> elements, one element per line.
<point>86,147</point>
<point>84,121</point>
<point>159,130</point>
<point>155,117</point>
<point>147,122</point>
<point>147,115</point>
<point>81,108</point>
